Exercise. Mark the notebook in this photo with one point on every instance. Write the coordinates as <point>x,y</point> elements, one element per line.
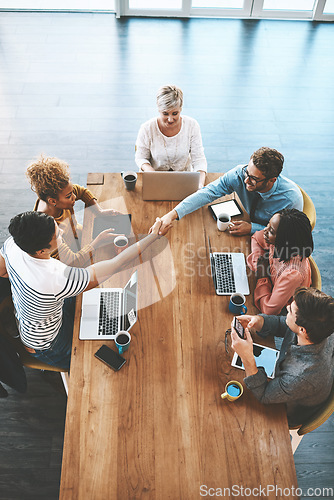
<point>106,311</point>
<point>169,186</point>
<point>229,272</point>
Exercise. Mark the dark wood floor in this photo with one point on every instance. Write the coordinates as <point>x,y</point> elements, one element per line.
<point>78,86</point>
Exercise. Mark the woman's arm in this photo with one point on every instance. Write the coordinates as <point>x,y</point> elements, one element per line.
<point>258,247</point>
<point>101,271</point>
<point>143,151</point>
<point>84,256</point>
<point>270,299</point>
<point>197,155</point>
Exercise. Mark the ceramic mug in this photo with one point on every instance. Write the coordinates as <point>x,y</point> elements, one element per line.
<point>121,243</point>
<point>130,179</point>
<point>122,341</point>
<point>223,221</point>
<point>233,390</point>
<point>237,304</point>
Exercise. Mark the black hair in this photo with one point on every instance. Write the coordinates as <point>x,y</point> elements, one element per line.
<point>294,235</point>
<point>315,312</point>
<point>32,231</point>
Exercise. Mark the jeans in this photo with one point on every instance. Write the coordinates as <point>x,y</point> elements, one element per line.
<point>59,352</point>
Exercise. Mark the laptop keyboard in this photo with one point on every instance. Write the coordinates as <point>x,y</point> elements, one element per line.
<point>224,273</point>
<point>109,313</point>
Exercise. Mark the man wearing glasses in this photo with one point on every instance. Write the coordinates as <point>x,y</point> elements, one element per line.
<point>259,185</point>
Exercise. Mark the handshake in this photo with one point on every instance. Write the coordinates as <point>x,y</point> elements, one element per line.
<point>162,225</point>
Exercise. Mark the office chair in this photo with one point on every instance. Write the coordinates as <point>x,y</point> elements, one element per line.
<point>27,360</point>
<point>313,423</point>
<point>315,274</point>
<point>308,208</point>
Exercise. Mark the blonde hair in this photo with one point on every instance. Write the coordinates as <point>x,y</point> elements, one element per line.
<point>48,176</point>
<point>169,97</point>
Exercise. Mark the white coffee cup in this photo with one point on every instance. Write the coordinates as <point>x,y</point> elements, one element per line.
<point>121,243</point>
<point>223,221</point>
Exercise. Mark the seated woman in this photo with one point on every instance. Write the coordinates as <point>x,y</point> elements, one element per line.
<point>50,180</point>
<point>279,257</point>
<point>171,141</point>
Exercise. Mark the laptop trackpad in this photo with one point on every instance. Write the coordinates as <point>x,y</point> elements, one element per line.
<point>89,311</point>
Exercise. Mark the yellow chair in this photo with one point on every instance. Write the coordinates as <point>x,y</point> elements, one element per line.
<point>315,274</point>
<point>313,423</point>
<point>308,208</point>
<point>27,360</point>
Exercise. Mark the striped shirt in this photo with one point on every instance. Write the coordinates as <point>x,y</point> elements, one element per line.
<point>39,288</point>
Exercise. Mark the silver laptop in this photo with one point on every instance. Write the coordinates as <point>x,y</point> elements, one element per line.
<point>106,311</point>
<point>169,186</point>
<point>229,272</point>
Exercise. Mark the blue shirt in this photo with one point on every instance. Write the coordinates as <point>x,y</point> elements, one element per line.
<point>283,194</point>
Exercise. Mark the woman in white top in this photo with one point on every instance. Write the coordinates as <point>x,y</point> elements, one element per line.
<point>171,141</point>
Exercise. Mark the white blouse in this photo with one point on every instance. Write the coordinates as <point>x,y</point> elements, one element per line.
<point>183,151</point>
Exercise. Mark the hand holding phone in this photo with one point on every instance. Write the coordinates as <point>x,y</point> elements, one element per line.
<point>238,328</point>
<point>110,358</point>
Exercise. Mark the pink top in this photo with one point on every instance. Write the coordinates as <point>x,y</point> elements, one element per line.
<point>274,293</point>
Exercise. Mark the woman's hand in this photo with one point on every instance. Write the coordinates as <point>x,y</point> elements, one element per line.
<point>108,211</point>
<point>104,238</point>
<point>156,226</point>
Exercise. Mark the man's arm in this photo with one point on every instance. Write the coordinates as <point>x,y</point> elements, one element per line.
<point>3,269</point>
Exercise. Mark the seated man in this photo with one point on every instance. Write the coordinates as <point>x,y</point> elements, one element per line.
<point>305,368</point>
<point>44,289</point>
<point>259,185</point>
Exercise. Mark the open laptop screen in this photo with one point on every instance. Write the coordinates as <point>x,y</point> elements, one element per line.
<point>130,303</point>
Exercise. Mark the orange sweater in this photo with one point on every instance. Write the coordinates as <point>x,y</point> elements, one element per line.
<point>69,251</point>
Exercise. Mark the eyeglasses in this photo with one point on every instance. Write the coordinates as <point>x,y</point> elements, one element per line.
<point>254,180</point>
<point>227,333</point>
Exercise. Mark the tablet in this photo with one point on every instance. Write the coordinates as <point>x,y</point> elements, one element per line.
<point>120,222</point>
<point>230,207</point>
<point>264,356</point>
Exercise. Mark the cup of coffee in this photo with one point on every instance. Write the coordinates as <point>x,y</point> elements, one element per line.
<point>223,221</point>
<point>122,341</point>
<point>130,179</point>
<point>120,243</point>
<point>233,390</point>
<point>237,304</point>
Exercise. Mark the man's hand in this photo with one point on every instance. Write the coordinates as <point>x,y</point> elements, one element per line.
<point>263,267</point>
<point>240,228</point>
<point>244,348</point>
<point>251,322</point>
<point>167,222</point>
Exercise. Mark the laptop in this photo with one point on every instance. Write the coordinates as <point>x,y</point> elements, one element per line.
<point>106,311</point>
<point>228,272</point>
<point>169,186</point>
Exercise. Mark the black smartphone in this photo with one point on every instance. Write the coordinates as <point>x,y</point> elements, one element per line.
<point>110,357</point>
<point>238,328</point>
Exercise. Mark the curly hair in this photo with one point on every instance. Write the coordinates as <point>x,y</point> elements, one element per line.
<point>269,161</point>
<point>169,97</point>
<point>48,176</point>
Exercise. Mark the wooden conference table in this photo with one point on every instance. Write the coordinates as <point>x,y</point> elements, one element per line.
<point>158,429</point>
